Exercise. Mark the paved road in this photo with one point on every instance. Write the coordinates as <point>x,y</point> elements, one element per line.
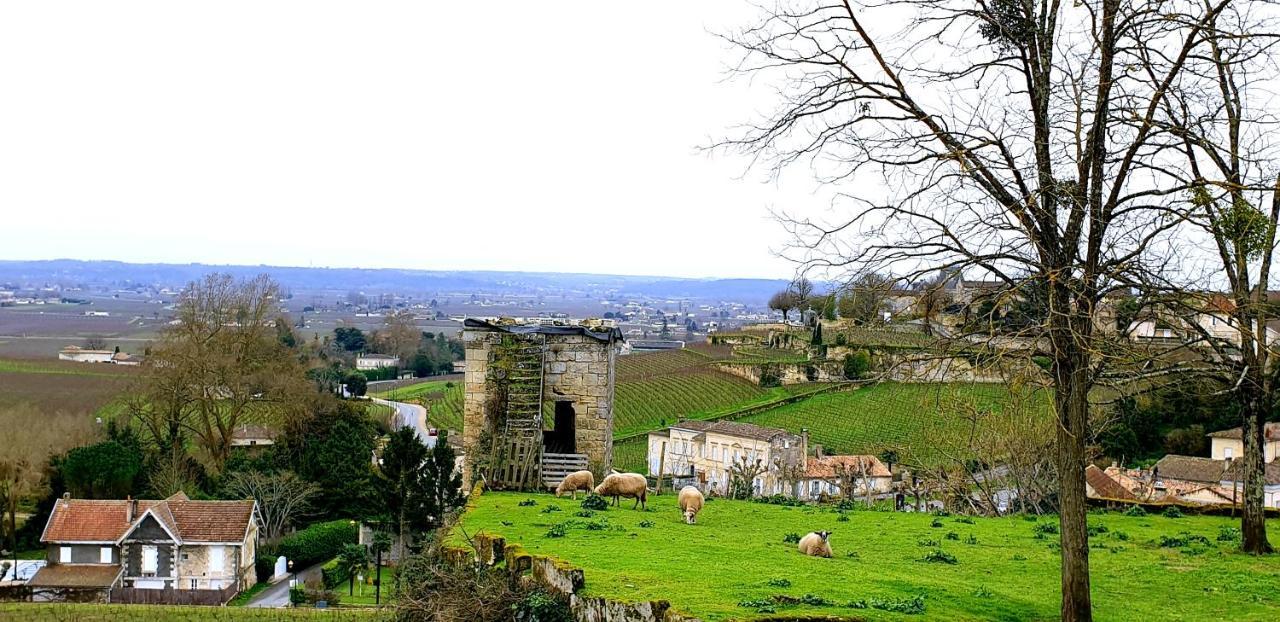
<point>411,415</point>
<point>278,594</point>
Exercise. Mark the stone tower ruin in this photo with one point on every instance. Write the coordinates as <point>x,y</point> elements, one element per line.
<point>538,401</point>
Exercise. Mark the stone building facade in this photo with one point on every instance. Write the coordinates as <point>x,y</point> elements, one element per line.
<point>577,369</point>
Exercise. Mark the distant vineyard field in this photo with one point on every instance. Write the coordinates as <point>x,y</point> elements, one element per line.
<point>651,403</point>
<point>864,336</point>
<point>649,364</point>
<point>887,416</point>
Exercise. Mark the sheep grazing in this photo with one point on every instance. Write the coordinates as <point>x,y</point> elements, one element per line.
<point>815,543</point>
<point>618,485</point>
<point>690,503</point>
<point>573,482</point>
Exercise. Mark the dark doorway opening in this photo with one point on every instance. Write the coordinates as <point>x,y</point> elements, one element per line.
<point>562,438</point>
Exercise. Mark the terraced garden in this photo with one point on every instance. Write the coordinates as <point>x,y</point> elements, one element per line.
<point>889,415</point>
<point>735,564</point>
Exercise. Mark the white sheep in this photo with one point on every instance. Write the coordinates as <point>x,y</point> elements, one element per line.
<point>815,543</point>
<point>618,485</point>
<point>690,503</point>
<point>573,482</point>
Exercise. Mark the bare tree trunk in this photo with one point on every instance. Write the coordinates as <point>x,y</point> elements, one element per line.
<point>1072,405</point>
<point>1253,525</point>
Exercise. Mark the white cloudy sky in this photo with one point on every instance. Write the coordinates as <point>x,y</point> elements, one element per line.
<point>459,135</point>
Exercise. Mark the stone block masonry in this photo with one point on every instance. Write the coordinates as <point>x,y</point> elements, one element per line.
<point>578,377</point>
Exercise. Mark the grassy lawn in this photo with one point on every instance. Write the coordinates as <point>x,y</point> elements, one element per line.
<point>365,591</point>
<point>736,554</point>
<point>888,415</point>
<point>244,597</point>
<point>39,612</point>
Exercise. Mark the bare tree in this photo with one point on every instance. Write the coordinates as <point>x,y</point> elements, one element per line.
<point>218,366</point>
<point>95,342</point>
<point>1007,138</point>
<point>1232,170</point>
<point>742,475</point>
<point>866,298</point>
<point>783,301</point>
<point>932,301</point>
<point>282,498</point>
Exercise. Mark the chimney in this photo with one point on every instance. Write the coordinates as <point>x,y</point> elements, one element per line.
<point>131,508</point>
<point>66,495</point>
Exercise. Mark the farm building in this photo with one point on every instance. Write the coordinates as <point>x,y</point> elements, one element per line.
<point>81,355</point>
<point>707,452</point>
<point>375,361</point>
<point>538,401</point>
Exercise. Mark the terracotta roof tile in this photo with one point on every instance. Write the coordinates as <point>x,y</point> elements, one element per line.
<point>826,468</point>
<point>91,520</point>
<point>1104,487</point>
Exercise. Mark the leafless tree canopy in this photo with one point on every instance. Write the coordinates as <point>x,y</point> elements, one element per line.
<point>1008,140</point>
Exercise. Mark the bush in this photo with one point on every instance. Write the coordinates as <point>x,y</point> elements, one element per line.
<point>540,606</point>
<point>951,535</point>
<point>791,538</point>
<point>558,530</point>
<point>857,364</point>
<point>264,567</point>
<point>1135,510</point>
<point>1172,511</point>
<point>1043,529</point>
<point>317,543</point>
<point>935,523</point>
<point>584,513</point>
<point>595,502</point>
<point>1181,540</point>
<point>939,556</point>
<point>333,574</point>
<point>910,606</point>
<point>1228,534</point>
<point>842,518</point>
<point>527,503</point>
<point>550,508</point>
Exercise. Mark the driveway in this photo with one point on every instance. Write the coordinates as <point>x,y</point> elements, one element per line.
<point>278,594</point>
<point>411,415</point>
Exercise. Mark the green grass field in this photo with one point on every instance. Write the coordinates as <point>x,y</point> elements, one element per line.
<point>735,554</point>
<point>39,612</point>
<point>889,415</point>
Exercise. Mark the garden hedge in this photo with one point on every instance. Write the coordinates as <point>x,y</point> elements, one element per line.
<point>319,542</point>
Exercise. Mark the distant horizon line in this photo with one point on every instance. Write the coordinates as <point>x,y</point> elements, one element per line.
<point>391,269</point>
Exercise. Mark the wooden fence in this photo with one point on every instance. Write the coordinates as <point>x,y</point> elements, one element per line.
<point>141,596</point>
<point>555,467</point>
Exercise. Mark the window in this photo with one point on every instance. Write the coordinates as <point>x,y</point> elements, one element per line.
<point>217,559</point>
<point>1228,452</point>
<point>104,555</point>
<point>150,559</point>
<point>64,554</point>
<point>195,584</point>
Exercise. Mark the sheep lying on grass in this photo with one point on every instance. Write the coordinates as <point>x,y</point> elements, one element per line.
<point>618,485</point>
<point>690,503</point>
<point>815,543</point>
<point>573,482</point>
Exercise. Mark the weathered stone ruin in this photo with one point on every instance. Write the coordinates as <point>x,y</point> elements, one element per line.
<point>538,401</point>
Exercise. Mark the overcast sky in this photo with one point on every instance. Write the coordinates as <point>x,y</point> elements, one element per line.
<point>502,135</point>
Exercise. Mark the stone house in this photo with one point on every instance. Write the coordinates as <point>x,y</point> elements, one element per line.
<point>826,475</point>
<point>177,549</point>
<point>1229,444</point>
<point>703,453</point>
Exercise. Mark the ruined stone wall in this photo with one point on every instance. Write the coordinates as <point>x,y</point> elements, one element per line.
<point>788,373</point>
<point>577,369</point>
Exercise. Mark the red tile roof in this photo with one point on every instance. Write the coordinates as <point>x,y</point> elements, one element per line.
<point>93,520</point>
<point>1104,487</point>
<point>827,467</point>
<point>1270,432</point>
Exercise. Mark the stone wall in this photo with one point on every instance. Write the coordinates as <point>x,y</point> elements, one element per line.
<point>577,369</point>
<point>788,373</point>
